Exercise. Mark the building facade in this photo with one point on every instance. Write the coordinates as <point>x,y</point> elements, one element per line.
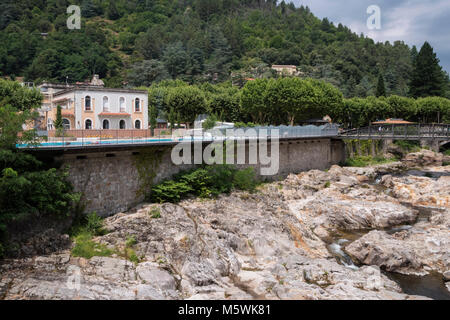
<point>286,69</point>
<point>87,107</point>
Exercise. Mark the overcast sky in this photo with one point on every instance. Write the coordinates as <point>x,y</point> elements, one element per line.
<point>413,21</point>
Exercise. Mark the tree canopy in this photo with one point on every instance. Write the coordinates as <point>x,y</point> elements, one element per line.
<point>197,41</point>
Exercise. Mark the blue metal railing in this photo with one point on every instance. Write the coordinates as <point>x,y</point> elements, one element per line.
<point>96,138</point>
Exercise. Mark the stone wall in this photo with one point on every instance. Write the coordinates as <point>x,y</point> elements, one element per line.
<point>110,181</point>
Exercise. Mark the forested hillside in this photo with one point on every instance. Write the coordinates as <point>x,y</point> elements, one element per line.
<point>137,42</point>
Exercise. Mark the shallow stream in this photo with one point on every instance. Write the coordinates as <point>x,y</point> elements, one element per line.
<point>431,285</point>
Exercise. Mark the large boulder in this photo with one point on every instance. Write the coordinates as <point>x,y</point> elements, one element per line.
<point>423,158</point>
<point>417,250</point>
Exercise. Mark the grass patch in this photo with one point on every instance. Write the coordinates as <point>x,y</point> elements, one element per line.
<point>131,241</point>
<point>364,161</point>
<point>447,152</point>
<point>327,184</point>
<point>85,247</point>
<point>155,213</point>
<point>83,231</point>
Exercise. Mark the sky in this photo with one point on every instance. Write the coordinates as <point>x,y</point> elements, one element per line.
<point>413,21</point>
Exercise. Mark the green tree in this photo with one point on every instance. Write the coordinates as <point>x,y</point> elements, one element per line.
<point>58,121</point>
<point>381,88</point>
<point>175,59</point>
<point>17,105</point>
<point>404,108</point>
<point>147,72</point>
<point>187,102</point>
<point>290,97</point>
<point>112,12</point>
<point>427,77</point>
<point>433,109</point>
<point>253,101</point>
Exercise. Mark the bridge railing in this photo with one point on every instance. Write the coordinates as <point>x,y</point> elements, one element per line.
<point>85,138</point>
<point>398,131</point>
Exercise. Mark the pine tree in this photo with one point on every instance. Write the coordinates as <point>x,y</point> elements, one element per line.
<point>112,12</point>
<point>428,77</point>
<point>381,88</point>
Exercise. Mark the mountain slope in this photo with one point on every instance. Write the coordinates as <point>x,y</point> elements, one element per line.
<point>193,40</point>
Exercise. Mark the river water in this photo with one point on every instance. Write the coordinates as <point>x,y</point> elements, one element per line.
<point>431,285</point>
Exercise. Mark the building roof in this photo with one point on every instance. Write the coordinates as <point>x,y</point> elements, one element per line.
<point>283,66</point>
<point>102,89</point>
<point>393,121</point>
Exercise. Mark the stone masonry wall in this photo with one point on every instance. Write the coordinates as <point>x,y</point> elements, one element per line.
<point>109,181</point>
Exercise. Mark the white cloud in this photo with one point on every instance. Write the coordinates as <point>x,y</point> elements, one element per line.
<point>413,21</point>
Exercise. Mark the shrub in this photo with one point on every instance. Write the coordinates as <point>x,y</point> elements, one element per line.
<point>408,146</point>
<point>131,255</point>
<point>245,179</point>
<point>131,241</point>
<point>447,152</point>
<point>210,122</point>
<point>327,184</point>
<point>244,125</point>
<point>27,191</point>
<point>91,223</point>
<point>206,182</point>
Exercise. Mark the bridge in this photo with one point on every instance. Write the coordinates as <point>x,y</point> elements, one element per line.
<point>104,139</point>
<point>105,168</point>
<point>435,132</point>
<point>111,170</point>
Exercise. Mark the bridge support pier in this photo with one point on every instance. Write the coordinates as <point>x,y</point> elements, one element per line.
<point>432,144</point>
<point>385,145</point>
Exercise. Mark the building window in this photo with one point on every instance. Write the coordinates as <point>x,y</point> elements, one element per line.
<point>88,124</point>
<point>122,104</point>
<point>137,124</point>
<point>105,104</point>
<point>87,103</point>
<point>122,124</point>
<point>66,124</point>
<point>137,105</point>
<point>105,124</point>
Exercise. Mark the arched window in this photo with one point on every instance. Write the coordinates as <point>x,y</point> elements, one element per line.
<point>137,105</point>
<point>137,124</point>
<point>122,124</point>
<point>105,124</point>
<point>105,104</point>
<point>122,104</point>
<point>87,103</point>
<point>88,124</point>
<point>66,124</point>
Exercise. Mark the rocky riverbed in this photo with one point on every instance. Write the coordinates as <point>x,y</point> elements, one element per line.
<point>316,235</point>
